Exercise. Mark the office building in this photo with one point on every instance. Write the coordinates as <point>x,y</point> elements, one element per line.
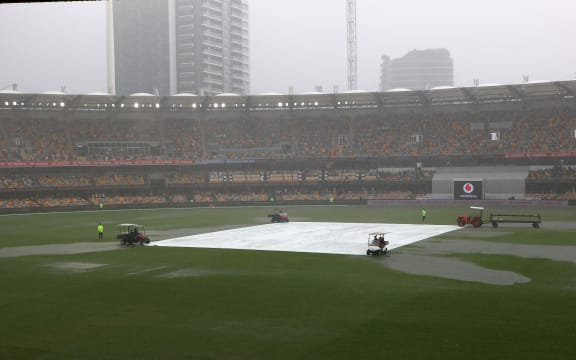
<point>166,47</point>
<point>417,70</point>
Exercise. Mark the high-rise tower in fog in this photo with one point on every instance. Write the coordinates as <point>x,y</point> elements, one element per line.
<point>417,70</point>
<point>176,46</point>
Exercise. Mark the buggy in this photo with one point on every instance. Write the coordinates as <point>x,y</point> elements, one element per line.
<point>377,245</point>
<point>279,216</point>
<point>132,234</point>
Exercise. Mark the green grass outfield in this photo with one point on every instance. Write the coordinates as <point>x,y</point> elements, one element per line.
<point>264,305</point>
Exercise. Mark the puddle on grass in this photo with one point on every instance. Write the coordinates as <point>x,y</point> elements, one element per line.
<point>454,269</point>
<point>188,273</point>
<point>75,267</point>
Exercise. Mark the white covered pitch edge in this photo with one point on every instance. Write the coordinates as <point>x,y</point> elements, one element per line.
<point>310,237</point>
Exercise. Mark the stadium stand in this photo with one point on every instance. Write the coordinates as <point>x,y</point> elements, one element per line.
<point>59,150</point>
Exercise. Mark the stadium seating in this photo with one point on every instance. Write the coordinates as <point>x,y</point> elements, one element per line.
<point>303,138</point>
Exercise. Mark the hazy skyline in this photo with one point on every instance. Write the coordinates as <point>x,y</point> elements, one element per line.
<point>303,43</point>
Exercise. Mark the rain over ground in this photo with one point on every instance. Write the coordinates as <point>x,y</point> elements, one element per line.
<point>414,248</point>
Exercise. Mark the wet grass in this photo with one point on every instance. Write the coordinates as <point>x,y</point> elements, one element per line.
<point>231,304</point>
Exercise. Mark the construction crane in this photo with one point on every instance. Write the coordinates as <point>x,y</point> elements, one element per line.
<point>352,45</point>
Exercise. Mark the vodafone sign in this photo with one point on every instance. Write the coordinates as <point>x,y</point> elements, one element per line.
<point>468,190</point>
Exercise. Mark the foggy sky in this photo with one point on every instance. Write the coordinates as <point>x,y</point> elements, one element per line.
<point>303,42</point>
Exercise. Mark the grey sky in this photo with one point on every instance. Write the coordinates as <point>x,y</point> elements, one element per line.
<point>303,42</point>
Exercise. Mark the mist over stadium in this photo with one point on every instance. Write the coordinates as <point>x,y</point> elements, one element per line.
<point>165,201</point>
<point>78,150</point>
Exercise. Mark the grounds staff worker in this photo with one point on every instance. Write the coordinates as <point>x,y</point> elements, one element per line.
<point>423,215</point>
<point>100,231</point>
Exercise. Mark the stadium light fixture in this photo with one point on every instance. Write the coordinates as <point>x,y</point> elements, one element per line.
<point>280,104</point>
<point>136,105</point>
<point>6,103</point>
<point>223,105</point>
<point>315,103</point>
<point>62,104</point>
<point>194,106</point>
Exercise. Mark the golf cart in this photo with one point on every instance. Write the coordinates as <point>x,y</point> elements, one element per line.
<point>376,244</point>
<point>132,234</point>
<point>279,216</point>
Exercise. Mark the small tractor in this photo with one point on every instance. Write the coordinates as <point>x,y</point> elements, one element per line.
<point>132,234</point>
<point>475,220</point>
<point>279,216</point>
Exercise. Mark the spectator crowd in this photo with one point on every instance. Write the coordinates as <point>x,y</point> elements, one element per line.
<point>303,136</point>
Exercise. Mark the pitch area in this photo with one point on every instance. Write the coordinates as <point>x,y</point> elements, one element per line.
<point>311,237</point>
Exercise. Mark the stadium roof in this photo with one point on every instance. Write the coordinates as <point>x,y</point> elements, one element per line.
<point>140,94</point>
<point>412,99</point>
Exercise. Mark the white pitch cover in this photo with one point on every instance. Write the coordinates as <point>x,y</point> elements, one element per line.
<point>310,237</point>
